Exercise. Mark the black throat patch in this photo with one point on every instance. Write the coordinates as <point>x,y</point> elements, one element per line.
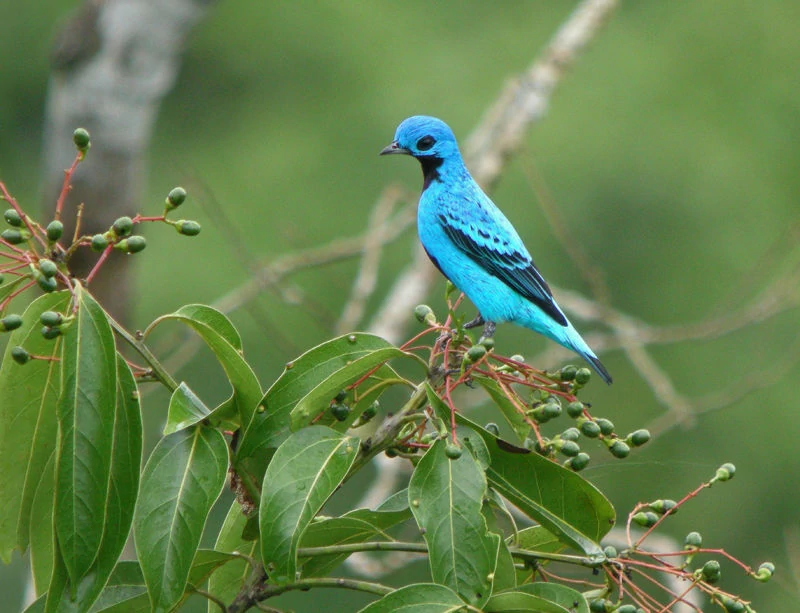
<point>430,169</point>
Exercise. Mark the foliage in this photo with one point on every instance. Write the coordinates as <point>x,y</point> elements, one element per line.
<point>71,440</point>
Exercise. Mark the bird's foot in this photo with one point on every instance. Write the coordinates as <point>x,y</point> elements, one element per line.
<point>488,329</point>
<point>478,321</point>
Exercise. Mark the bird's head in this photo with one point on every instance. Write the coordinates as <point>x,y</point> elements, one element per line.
<point>424,138</point>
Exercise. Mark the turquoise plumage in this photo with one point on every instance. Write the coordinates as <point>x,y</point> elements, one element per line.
<point>473,244</point>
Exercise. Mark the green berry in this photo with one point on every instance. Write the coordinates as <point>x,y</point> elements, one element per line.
<point>551,410</point>
<point>575,409</point>
<point>475,353</point>
<point>582,376</point>
<point>51,318</point>
<point>50,333</point>
<point>620,449</point>
<point>176,197</point>
<point>606,427</point>
<point>136,243</point>
<point>424,314</point>
<point>391,452</point>
<point>732,606</point>
<point>711,571</point>
<point>487,342</point>
<point>340,411</point>
<point>187,227</point>
<point>693,540</point>
<point>518,358</point>
<point>599,606</point>
<point>48,267</point>
<point>452,451</point>
<point>123,226</point>
<point>341,396</point>
<point>570,434</point>
<point>626,608</point>
<point>48,284</point>
<point>610,552</point>
<point>590,429</point>
<point>664,506</point>
<point>13,218</point>
<point>638,438</point>
<point>54,230</point>
<point>570,448</point>
<point>99,242</point>
<point>493,428</point>
<point>568,373</point>
<point>81,139</point>
<point>579,462</point>
<point>765,572</point>
<point>13,237</point>
<point>10,322</point>
<point>646,519</point>
<point>371,411</point>
<point>725,472</point>
<point>19,355</point>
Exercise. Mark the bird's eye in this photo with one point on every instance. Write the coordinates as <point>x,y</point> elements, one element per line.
<point>425,143</point>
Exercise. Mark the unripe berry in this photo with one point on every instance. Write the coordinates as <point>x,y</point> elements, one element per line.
<point>50,333</point>
<point>340,411</point>
<point>475,353</point>
<point>48,284</point>
<point>452,451</point>
<point>424,314</point>
<point>570,448</point>
<point>610,552</point>
<point>51,318</point>
<point>732,606</point>
<point>626,608</point>
<point>341,396</point>
<point>582,376</point>
<point>493,428</point>
<point>551,410</point>
<point>570,434</point>
<point>10,322</point>
<point>639,437</point>
<point>765,572</point>
<point>54,230</point>
<point>711,571</point>
<point>579,462</point>
<point>590,429</point>
<point>646,519</point>
<point>187,227</point>
<point>518,358</point>
<point>391,452</point>
<point>136,243</point>
<point>620,449</point>
<point>725,472</point>
<point>48,267</point>
<point>371,411</point>
<point>487,342</point>
<point>606,427</point>
<point>99,242</point>
<point>19,355</point>
<point>599,606</point>
<point>664,506</point>
<point>13,218</point>
<point>175,198</point>
<point>13,237</point>
<point>575,409</point>
<point>693,540</point>
<point>123,226</point>
<point>568,373</point>
<point>81,139</point>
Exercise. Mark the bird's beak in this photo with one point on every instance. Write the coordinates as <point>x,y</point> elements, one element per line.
<point>394,147</point>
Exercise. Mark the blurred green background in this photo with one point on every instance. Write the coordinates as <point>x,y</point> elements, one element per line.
<point>672,151</point>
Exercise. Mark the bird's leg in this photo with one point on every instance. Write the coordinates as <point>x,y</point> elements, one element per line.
<point>488,329</point>
<point>478,321</point>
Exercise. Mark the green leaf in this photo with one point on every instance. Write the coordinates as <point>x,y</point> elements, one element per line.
<point>536,538</point>
<point>9,287</point>
<point>219,334</point>
<point>418,598</point>
<point>206,562</point>
<point>357,526</point>
<point>446,497</point>
<point>185,409</point>
<point>510,413</point>
<point>228,580</point>
<point>86,414</point>
<point>559,499</point>
<point>306,470</point>
<point>521,602</point>
<point>42,538</point>
<point>270,426</point>
<point>563,595</point>
<point>182,479</point>
<point>28,425</point>
<point>63,595</point>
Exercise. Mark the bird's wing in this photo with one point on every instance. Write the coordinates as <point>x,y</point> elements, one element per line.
<point>495,246</point>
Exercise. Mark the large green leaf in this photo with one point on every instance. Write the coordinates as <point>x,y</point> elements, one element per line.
<point>28,425</point>
<point>63,594</point>
<point>42,536</point>
<point>562,501</point>
<point>86,413</point>
<point>521,602</point>
<point>418,598</point>
<point>446,495</point>
<point>306,470</point>
<point>357,526</point>
<point>182,479</point>
<point>270,426</point>
<point>228,580</point>
<point>219,334</point>
<point>563,595</point>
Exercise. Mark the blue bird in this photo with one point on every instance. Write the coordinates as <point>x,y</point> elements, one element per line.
<point>473,244</point>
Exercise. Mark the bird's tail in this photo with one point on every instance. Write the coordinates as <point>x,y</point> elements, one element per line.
<point>598,366</point>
